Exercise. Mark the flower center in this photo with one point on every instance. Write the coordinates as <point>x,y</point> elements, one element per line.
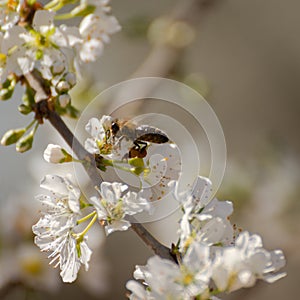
<point>187,277</point>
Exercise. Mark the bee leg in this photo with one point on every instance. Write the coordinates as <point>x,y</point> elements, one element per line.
<point>141,145</point>
<point>126,156</point>
<point>138,150</point>
<point>107,136</point>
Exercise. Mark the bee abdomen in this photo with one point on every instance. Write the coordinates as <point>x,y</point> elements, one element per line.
<point>154,138</point>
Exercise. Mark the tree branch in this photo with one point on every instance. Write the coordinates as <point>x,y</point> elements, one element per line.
<point>90,166</point>
<point>10,286</point>
<point>151,242</point>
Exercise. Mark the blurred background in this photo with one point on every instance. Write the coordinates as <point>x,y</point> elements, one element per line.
<point>244,58</point>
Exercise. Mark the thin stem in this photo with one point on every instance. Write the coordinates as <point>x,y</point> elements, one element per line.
<point>78,160</point>
<point>35,128</point>
<point>64,16</point>
<point>113,164</point>
<point>51,4</point>
<point>86,217</point>
<point>81,234</point>
<point>30,125</point>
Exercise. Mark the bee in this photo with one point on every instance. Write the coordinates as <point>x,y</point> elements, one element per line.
<point>139,135</point>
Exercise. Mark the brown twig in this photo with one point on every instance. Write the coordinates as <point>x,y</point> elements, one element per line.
<point>88,159</point>
<point>151,242</point>
<point>9,287</point>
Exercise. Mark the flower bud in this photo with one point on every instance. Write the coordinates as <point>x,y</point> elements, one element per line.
<point>12,136</point>
<point>57,68</point>
<point>23,109</point>
<point>25,143</point>
<point>6,94</point>
<point>71,79</point>
<point>55,154</point>
<point>28,97</point>
<point>64,100</point>
<point>62,87</point>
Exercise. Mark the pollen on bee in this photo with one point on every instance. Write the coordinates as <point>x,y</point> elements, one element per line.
<point>102,222</point>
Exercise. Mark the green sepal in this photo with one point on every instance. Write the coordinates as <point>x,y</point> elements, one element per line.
<point>39,54</point>
<point>72,112</point>
<point>12,136</point>
<point>6,94</point>
<point>68,157</point>
<point>100,162</point>
<point>25,143</point>
<point>69,110</point>
<point>31,2</point>
<point>6,84</point>
<point>137,164</point>
<point>28,97</point>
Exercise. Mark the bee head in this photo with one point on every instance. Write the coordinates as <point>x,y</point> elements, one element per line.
<point>115,128</point>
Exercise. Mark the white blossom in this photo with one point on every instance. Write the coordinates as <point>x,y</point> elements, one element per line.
<point>97,129</point>
<point>71,79</point>
<point>9,14</point>
<point>43,45</point>
<point>10,51</point>
<point>163,165</point>
<point>204,220</point>
<point>64,100</point>
<point>54,230</point>
<point>95,30</point>
<point>197,196</point>
<point>165,279</point>
<point>114,205</point>
<point>72,255</point>
<point>54,154</point>
<point>241,265</point>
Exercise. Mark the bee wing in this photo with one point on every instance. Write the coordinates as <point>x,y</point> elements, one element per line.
<point>151,134</point>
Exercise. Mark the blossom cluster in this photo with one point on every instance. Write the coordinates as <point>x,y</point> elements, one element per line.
<point>57,230</point>
<point>30,41</point>
<point>46,57</point>
<point>212,258</point>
